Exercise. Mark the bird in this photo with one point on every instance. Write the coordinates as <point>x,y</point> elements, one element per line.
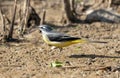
<point>59,40</point>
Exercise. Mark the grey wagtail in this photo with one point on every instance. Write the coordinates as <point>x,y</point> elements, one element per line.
<point>60,40</point>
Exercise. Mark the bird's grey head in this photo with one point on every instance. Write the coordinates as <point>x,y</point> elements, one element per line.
<point>45,28</point>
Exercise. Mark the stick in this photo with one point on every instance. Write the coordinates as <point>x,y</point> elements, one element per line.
<point>8,20</point>
<point>43,17</point>
<point>12,23</point>
<point>22,18</point>
<point>26,14</point>
<point>3,25</point>
<point>87,68</point>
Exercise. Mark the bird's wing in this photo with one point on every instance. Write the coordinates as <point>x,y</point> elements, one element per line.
<point>60,37</point>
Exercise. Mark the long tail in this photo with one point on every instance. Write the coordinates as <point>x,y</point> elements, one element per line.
<point>87,41</point>
<point>97,41</point>
<point>80,41</point>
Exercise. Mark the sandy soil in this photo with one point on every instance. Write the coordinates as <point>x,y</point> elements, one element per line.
<point>33,58</point>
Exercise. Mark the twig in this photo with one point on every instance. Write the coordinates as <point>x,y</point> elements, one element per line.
<point>10,66</point>
<point>3,25</point>
<point>24,19</point>
<point>88,68</point>
<point>3,20</point>
<point>99,68</point>
<point>27,13</point>
<point>8,20</point>
<point>43,17</point>
<point>109,3</point>
<point>12,23</point>
<point>21,22</point>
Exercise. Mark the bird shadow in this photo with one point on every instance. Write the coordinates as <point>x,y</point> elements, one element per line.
<point>92,56</point>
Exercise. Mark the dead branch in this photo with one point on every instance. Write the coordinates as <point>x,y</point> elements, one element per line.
<point>3,25</point>
<point>27,14</point>
<point>8,20</point>
<point>30,18</point>
<point>88,68</point>
<point>73,8</point>
<point>69,14</point>
<point>43,17</point>
<point>109,3</point>
<point>22,20</point>
<point>3,20</point>
<point>12,23</point>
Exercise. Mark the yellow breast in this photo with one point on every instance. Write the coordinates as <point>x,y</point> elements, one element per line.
<point>57,44</point>
<point>61,44</point>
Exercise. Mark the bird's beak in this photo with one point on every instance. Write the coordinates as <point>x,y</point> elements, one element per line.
<point>38,28</point>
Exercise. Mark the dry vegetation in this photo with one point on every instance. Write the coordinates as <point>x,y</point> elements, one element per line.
<point>27,56</point>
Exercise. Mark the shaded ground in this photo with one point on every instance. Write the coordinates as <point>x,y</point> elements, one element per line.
<point>32,59</point>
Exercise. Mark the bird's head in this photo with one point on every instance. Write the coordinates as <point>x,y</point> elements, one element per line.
<point>45,28</point>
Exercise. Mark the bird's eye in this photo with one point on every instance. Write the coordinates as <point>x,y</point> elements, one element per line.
<point>40,31</point>
<point>42,27</point>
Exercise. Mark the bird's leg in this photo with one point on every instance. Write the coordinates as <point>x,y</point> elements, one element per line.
<point>47,48</point>
<point>53,47</point>
<point>60,49</point>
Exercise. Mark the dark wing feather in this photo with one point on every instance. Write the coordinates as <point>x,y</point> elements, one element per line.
<point>60,37</point>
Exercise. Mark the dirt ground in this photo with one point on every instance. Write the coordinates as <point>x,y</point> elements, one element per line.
<point>32,58</point>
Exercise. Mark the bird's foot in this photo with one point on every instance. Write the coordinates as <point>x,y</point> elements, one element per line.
<point>53,47</point>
